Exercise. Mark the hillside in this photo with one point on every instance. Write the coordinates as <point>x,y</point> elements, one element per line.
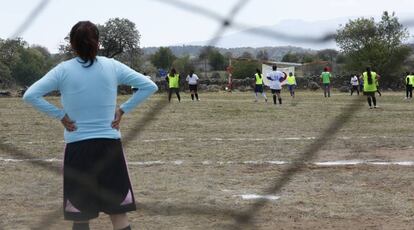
<point>275,53</point>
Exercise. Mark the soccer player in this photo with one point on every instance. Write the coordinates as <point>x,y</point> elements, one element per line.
<point>173,79</point>
<point>259,85</point>
<point>370,79</point>
<point>192,80</point>
<point>326,81</point>
<point>354,84</point>
<point>95,171</point>
<point>276,77</point>
<point>291,83</point>
<point>409,84</point>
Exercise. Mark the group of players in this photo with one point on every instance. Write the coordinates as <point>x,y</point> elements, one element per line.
<point>95,172</point>
<point>368,82</point>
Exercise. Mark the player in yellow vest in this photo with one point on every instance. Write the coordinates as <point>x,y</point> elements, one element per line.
<point>259,85</point>
<point>291,83</point>
<point>409,84</point>
<point>173,79</point>
<point>370,79</point>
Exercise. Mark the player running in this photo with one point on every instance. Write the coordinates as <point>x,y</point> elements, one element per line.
<point>291,83</point>
<point>259,85</point>
<point>370,79</point>
<point>276,77</point>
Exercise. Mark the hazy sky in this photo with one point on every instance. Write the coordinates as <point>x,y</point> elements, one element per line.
<point>162,24</point>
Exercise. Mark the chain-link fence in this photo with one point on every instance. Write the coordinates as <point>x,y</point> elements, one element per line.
<point>242,217</point>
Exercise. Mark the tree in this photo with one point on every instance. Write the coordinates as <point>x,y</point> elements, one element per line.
<point>183,65</point>
<point>133,58</point>
<point>327,55</point>
<point>228,55</point>
<point>10,51</point>
<point>379,45</point>
<point>118,35</point>
<point>5,76</point>
<point>298,57</point>
<point>45,52</point>
<point>30,67</point>
<point>291,57</point>
<point>217,60</point>
<point>163,58</point>
<point>245,68</point>
<point>246,55</point>
<point>307,58</point>
<point>262,55</point>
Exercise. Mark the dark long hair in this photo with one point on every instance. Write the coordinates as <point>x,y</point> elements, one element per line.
<point>370,81</point>
<point>84,39</point>
<point>259,72</point>
<point>173,72</point>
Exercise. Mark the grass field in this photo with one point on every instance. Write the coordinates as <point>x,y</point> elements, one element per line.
<point>193,163</point>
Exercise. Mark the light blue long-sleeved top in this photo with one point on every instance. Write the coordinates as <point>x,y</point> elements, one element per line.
<point>88,95</point>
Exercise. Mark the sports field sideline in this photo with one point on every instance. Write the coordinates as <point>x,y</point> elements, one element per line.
<point>196,162</point>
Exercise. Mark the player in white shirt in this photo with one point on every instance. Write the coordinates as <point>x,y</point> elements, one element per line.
<point>276,77</point>
<point>192,80</point>
<point>354,84</point>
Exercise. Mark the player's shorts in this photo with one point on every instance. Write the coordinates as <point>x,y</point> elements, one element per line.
<point>372,94</point>
<point>291,88</point>
<point>96,180</point>
<point>275,91</point>
<point>258,89</point>
<point>176,90</point>
<point>193,87</point>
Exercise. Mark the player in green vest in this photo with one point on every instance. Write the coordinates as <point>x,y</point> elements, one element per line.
<point>370,79</point>
<point>409,84</point>
<point>259,85</point>
<point>173,79</point>
<point>291,83</point>
<point>326,81</point>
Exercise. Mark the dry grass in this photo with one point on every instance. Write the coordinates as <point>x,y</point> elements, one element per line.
<point>225,128</point>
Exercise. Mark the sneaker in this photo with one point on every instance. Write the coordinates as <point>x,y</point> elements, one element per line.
<point>370,107</point>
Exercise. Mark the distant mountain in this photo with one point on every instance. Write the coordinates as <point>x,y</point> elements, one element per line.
<point>270,36</point>
<point>253,41</point>
<point>275,53</point>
